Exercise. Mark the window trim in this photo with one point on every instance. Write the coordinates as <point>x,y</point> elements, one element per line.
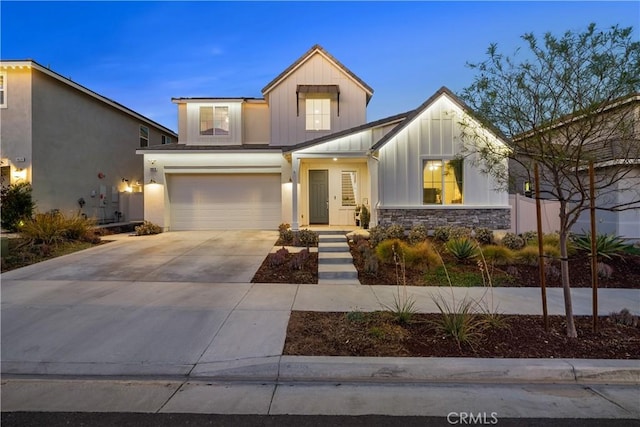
<point>166,139</point>
<point>3,104</point>
<point>142,137</point>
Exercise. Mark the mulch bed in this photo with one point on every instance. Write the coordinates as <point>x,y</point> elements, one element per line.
<point>378,334</point>
<point>285,274</point>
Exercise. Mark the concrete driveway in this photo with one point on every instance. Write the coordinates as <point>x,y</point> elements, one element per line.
<point>187,256</point>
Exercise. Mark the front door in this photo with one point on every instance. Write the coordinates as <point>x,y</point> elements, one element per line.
<point>318,197</point>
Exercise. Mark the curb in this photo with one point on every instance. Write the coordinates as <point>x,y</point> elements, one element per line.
<point>422,370</point>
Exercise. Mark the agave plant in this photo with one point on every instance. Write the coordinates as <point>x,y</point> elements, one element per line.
<point>607,245</point>
<point>462,248</point>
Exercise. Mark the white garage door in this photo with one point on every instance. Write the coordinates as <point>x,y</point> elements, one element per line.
<point>225,201</point>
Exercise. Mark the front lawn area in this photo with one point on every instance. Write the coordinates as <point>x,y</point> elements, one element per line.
<point>21,253</point>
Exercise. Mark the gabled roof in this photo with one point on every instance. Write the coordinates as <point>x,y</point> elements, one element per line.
<point>317,49</point>
<point>382,122</point>
<point>34,65</point>
<point>415,113</point>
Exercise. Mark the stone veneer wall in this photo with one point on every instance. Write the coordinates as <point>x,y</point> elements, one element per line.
<point>494,219</point>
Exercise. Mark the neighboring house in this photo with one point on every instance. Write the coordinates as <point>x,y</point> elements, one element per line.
<point>71,143</point>
<point>305,155</point>
<point>614,145</point>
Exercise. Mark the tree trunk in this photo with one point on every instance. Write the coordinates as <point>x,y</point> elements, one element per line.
<point>564,269</point>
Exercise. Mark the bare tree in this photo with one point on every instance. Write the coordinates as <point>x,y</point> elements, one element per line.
<point>563,102</point>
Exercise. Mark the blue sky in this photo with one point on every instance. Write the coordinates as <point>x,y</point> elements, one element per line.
<point>142,54</point>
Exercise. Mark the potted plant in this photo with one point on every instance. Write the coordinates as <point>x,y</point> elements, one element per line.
<point>365,217</point>
<point>357,215</point>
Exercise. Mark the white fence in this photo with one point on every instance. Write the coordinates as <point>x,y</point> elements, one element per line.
<point>523,214</point>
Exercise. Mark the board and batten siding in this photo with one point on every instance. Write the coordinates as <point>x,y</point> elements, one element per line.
<point>288,127</point>
<point>193,136</point>
<point>434,134</point>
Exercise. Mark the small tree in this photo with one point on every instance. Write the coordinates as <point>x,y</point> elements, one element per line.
<point>17,204</point>
<point>570,100</point>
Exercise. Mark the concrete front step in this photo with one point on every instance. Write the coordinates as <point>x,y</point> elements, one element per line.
<point>334,247</point>
<point>341,259</point>
<point>338,275</point>
<point>340,282</point>
<point>332,232</point>
<point>331,239</point>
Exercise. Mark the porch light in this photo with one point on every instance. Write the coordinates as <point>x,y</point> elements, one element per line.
<point>20,173</point>
<point>335,159</point>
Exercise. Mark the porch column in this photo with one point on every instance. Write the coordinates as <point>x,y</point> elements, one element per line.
<point>295,171</point>
<point>372,165</point>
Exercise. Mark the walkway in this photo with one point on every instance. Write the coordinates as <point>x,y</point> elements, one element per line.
<point>335,263</point>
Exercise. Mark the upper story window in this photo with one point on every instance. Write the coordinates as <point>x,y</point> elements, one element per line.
<point>318,113</point>
<point>214,121</point>
<point>442,182</point>
<point>144,136</point>
<point>166,139</point>
<point>3,90</point>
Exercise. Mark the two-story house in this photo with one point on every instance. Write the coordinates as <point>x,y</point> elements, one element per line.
<point>304,154</point>
<point>77,148</point>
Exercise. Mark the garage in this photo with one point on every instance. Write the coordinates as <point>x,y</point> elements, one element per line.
<point>224,201</point>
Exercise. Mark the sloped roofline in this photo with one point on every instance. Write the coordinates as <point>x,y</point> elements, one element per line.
<point>316,49</point>
<point>387,120</point>
<point>33,64</point>
<point>415,113</point>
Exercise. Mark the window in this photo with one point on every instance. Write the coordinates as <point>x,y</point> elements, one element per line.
<point>442,182</point>
<point>349,188</point>
<point>144,136</point>
<point>3,90</point>
<point>214,121</point>
<point>166,139</point>
<point>318,114</point>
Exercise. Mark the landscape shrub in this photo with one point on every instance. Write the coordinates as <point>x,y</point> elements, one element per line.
<point>462,248</point>
<point>459,233</point>
<point>307,238</point>
<point>551,239</point>
<point>551,251</point>
<point>377,234</point>
<point>418,233</point>
<point>147,228</point>
<point>605,271</point>
<point>484,235</point>
<point>512,241</point>
<point>624,317</point>
<point>80,228</point>
<point>287,237</point>
<point>607,245</point>
<point>17,205</point>
<point>388,248</point>
<point>283,227</point>
<point>530,237</point>
<point>371,264</point>
<point>279,257</point>
<point>527,255</point>
<point>44,228</point>
<point>395,231</point>
<point>299,259</point>
<point>442,233</point>
<point>497,255</point>
<point>422,254</point>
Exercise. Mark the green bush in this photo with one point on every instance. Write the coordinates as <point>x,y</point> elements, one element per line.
<point>459,233</point>
<point>377,234</point>
<point>80,228</point>
<point>484,235</point>
<point>607,245</point>
<point>462,248</point>
<point>365,217</point>
<point>442,233</point>
<point>44,228</point>
<point>530,237</point>
<point>418,233</point>
<point>307,238</point>
<point>17,205</point>
<point>395,231</point>
<point>459,322</point>
<point>498,255</point>
<point>527,255</point>
<point>147,228</point>
<point>512,241</point>
<point>421,254</point>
